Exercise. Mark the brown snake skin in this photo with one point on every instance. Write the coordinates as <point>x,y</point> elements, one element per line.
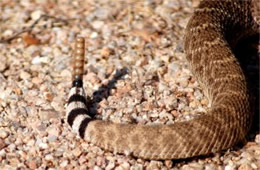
<point>211,37</point>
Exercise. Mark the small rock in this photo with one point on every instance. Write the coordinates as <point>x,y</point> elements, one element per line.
<point>97,168</point>
<point>53,131</point>
<point>66,73</point>
<point>64,163</point>
<point>257,139</point>
<point>168,163</point>
<point>229,167</point>
<point>43,145</point>
<point>37,80</point>
<point>31,142</point>
<point>52,138</point>
<point>137,167</point>
<point>14,162</point>
<point>35,15</point>
<point>24,75</point>
<point>183,82</point>
<point>210,167</point>
<point>2,144</point>
<point>125,165</point>
<point>204,102</point>
<point>193,104</point>
<point>32,164</point>
<point>31,40</point>
<point>94,35</point>
<point>97,24</point>
<point>92,78</point>
<point>110,165</point>
<point>3,134</point>
<point>49,157</point>
<point>105,52</point>
<point>8,32</point>
<point>48,114</point>
<point>175,113</point>
<point>77,152</point>
<point>48,96</point>
<point>39,60</point>
<point>245,167</point>
<point>102,13</point>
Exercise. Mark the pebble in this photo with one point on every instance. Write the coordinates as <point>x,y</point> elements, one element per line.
<point>257,138</point>
<point>110,165</point>
<point>76,152</point>
<point>24,75</point>
<point>210,167</point>
<point>229,167</point>
<point>37,80</point>
<point>2,144</point>
<point>97,168</point>
<point>55,131</point>
<point>43,145</point>
<point>14,162</point>
<point>245,167</point>
<point>92,78</point>
<point>102,13</point>
<point>168,163</point>
<point>204,102</point>
<point>32,164</point>
<point>3,134</point>
<point>35,15</point>
<point>52,138</point>
<point>31,142</point>
<point>94,35</point>
<point>97,24</point>
<point>137,167</point>
<point>40,60</point>
<point>64,163</point>
<point>48,96</point>
<point>48,157</point>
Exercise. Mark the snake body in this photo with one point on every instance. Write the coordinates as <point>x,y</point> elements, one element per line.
<point>210,41</point>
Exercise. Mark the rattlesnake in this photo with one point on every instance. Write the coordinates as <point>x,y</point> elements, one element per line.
<point>211,38</point>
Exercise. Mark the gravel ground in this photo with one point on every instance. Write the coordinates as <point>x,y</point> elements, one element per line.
<point>135,73</point>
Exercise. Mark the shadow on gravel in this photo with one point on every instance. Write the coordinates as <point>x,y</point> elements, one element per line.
<point>104,91</point>
<point>248,55</point>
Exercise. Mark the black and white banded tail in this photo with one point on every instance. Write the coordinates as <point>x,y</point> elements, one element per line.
<point>76,111</point>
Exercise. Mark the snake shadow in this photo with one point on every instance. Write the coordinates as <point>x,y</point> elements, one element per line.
<point>104,91</point>
<point>248,55</point>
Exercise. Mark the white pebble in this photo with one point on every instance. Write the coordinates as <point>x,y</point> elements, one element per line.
<point>52,138</point>
<point>3,134</point>
<point>39,60</point>
<point>36,14</point>
<point>97,168</point>
<point>97,24</point>
<point>257,139</point>
<point>64,163</point>
<point>31,142</point>
<point>2,153</point>
<point>24,75</point>
<point>43,145</point>
<point>229,167</point>
<point>94,35</point>
<point>49,157</point>
<point>110,165</point>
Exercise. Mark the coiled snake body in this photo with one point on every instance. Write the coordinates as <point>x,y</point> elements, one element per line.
<point>211,37</point>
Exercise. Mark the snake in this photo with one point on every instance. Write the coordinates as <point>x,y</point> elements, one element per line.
<point>211,38</point>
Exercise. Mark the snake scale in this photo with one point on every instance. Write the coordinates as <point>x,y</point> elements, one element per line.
<point>211,37</point>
